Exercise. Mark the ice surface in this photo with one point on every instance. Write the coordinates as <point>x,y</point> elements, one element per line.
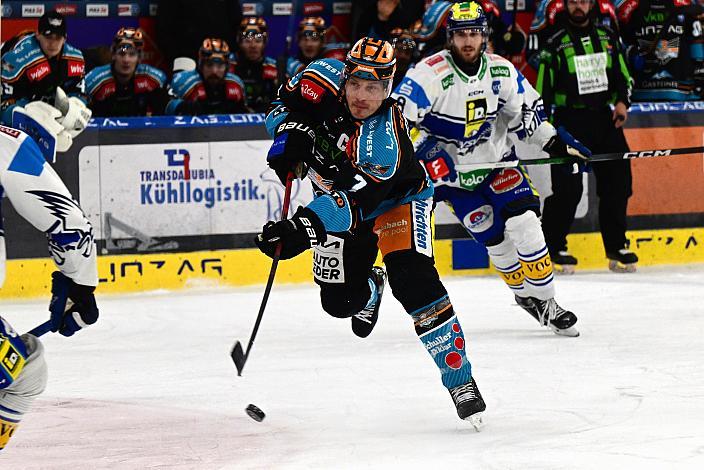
<point>152,385</point>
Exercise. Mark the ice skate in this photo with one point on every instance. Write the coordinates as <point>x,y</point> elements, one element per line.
<point>561,321</point>
<point>469,403</point>
<point>622,261</point>
<point>363,322</point>
<point>563,262</point>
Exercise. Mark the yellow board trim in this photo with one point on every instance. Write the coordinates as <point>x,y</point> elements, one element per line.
<point>31,278</point>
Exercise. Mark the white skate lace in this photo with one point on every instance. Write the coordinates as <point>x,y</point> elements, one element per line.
<point>463,393</point>
<point>548,310</point>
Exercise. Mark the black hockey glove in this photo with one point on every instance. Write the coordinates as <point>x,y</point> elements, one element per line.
<point>296,234</point>
<point>72,305</point>
<point>294,142</point>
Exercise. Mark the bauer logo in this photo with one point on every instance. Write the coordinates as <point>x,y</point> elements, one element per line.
<point>181,181</point>
<point>97,9</point>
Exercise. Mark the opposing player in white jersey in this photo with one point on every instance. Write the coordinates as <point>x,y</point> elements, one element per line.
<point>38,194</point>
<point>465,103</point>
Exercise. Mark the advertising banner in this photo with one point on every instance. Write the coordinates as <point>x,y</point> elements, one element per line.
<point>181,189</point>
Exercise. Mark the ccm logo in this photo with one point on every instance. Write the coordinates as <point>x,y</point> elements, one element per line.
<point>647,153</point>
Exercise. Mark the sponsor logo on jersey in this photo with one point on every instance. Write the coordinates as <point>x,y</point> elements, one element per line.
<point>328,265</point>
<point>627,9</point>
<point>313,8</point>
<point>341,8</point>
<point>38,72</point>
<point>421,222</point>
<point>234,92</point>
<point>506,180</point>
<point>496,86</point>
<point>10,131</point>
<point>470,180</point>
<point>311,91</point>
<point>448,81</point>
<point>76,68</point>
<point>499,71</point>
<point>32,10</point>
<point>282,9</point>
<point>475,115</point>
<point>434,60</point>
<point>480,219</point>
<point>66,9</point>
<point>97,9</point>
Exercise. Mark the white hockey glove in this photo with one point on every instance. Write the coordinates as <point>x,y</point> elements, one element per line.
<point>75,114</point>
<point>46,116</point>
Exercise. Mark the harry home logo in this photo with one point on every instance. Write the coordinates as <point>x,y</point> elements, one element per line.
<point>179,183</point>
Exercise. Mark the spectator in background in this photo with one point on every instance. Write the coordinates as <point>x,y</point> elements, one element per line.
<point>257,71</point>
<point>376,18</point>
<point>405,50</point>
<point>665,48</point>
<point>43,78</point>
<point>126,87</point>
<point>210,89</point>
<point>582,72</point>
<point>311,44</point>
<point>182,25</point>
<point>550,16</point>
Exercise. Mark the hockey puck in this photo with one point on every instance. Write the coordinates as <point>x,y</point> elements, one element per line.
<point>255,413</point>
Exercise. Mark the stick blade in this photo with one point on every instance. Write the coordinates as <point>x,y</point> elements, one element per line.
<point>237,355</point>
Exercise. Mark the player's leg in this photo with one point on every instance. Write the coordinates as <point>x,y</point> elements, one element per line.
<point>558,214</point>
<point>405,240</point>
<point>614,187</point>
<point>23,376</point>
<point>350,284</point>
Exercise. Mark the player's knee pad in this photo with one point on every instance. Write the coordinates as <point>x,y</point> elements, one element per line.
<point>505,259</point>
<point>413,279</point>
<point>344,300</point>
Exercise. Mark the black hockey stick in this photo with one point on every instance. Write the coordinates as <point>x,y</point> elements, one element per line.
<point>239,357</point>
<point>41,329</point>
<point>601,157</point>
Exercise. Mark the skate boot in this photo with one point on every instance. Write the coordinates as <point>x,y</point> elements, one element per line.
<point>563,262</point>
<point>469,403</point>
<point>622,261</point>
<point>561,321</point>
<point>364,321</point>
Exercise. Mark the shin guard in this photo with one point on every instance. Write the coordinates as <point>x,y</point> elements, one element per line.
<point>525,232</point>
<point>439,330</point>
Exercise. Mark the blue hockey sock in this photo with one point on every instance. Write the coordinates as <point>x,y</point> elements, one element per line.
<point>440,332</point>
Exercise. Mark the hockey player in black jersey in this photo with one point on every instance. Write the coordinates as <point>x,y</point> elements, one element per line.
<point>371,194</point>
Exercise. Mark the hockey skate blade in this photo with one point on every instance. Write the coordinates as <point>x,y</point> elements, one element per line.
<point>570,332</point>
<point>476,420</point>
<point>237,355</point>
<point>617,267</point>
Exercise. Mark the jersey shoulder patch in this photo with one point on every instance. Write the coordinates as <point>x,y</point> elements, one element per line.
<point>152,72</point>
<point>184,82</point>
<point>25,54</point>
<point>97,77</point>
